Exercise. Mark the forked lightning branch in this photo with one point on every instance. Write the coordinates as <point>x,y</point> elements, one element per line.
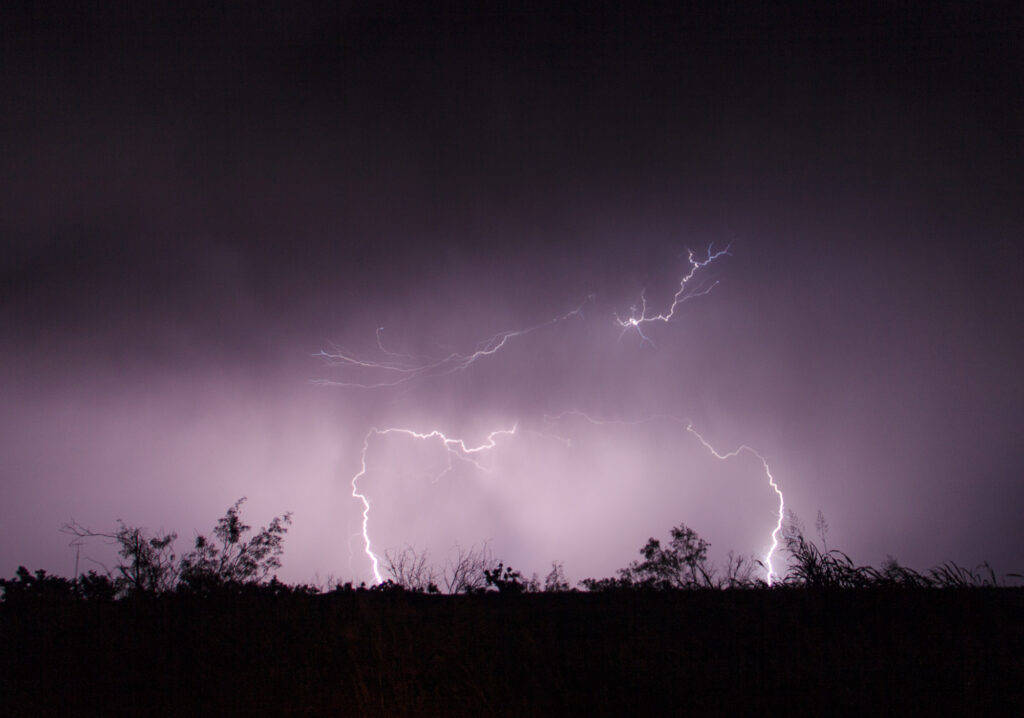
<point>390,369</point>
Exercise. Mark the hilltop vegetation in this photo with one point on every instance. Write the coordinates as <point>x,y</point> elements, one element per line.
<point>214,632</point>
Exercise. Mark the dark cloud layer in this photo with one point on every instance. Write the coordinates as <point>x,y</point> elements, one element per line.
<point>197,199</point>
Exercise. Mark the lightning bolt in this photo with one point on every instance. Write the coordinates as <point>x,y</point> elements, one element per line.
<point>769,568</point>
<point>396,369</point>
<point>454,448</point>
<point>391,369</point>
<point>770,574</point>
<point>687,291</point>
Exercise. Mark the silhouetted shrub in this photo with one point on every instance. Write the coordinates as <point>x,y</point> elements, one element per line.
<point>811,567</point>
<point>508,581</point>
<point>28,587</point>
<point>410,568</point>
<point>149,565</point>
<point>683,564</point>
<point>464,570</point>
<point>555,581</point>
<point>233,558</point>
<point>94,586</point>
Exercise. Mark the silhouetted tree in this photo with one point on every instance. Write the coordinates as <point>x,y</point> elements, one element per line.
<point>506,580</point>
<point>232,558</point>
<point>41,586</point>
<point>28,587</point>
<point>601,585</point>
<point>739,573</point>
<point>93,586</point>
<point>555,581</point>
<point>409,568</point>
<point>465,570</point>
<point>681,564</point>
<point>148,564</point>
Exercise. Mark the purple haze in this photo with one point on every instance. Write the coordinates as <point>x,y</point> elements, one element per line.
<point>195,204</point>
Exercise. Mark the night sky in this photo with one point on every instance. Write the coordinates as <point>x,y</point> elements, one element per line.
<point>196,200</point>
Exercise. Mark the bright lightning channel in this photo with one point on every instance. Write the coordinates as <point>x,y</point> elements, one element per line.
<point>396,369</point>
<point>455,448</point>
<point>770,574</point>
<point>687,290</point>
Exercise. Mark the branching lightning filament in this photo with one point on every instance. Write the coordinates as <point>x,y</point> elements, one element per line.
<point>388,368</point>
<point>690,287</point>
<point>395,369</point>
<point>454,448</point>
<point>769,568</point>
<point>770,574</point>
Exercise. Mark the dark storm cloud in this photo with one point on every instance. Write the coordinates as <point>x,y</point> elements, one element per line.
<point>197,199</point>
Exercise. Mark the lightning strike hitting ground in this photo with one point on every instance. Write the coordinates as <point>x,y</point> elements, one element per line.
<point>769,567</point>
<point>686,292</point>
<point>455,448</point>
<point>396,369</point>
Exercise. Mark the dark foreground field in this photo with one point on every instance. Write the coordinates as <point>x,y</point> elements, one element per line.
<point>868,652</point>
